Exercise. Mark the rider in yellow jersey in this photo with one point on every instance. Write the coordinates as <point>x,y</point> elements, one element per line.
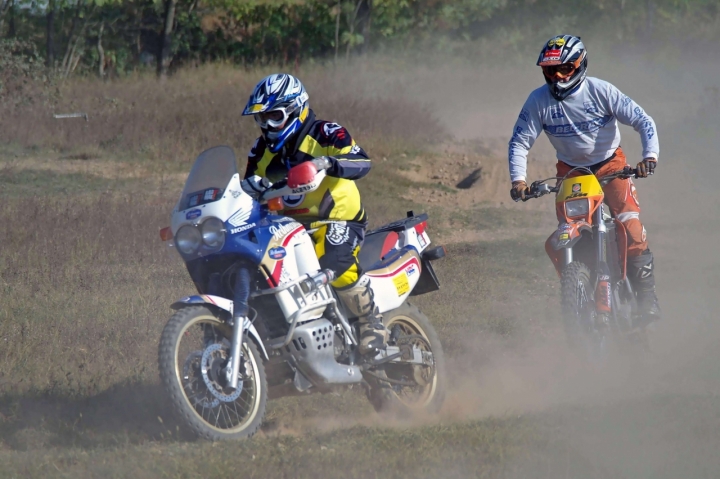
<point>291,135</point>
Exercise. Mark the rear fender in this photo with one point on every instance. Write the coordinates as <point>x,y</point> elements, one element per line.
<point>564,238</point>
<point>223,304</point>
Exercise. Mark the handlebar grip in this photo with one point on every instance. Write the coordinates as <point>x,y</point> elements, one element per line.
<point>278,185</point>
<point>532,194</point>
<point>630,171</point>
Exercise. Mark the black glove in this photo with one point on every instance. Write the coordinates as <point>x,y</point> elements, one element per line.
<point>519,190</point>
<point>646,167</point>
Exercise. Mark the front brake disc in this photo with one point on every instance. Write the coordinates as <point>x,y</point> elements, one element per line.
<point>216,352</point>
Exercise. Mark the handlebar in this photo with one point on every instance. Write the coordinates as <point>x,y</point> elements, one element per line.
<point>540,188</point>
<point>281,188</point>
<point>267,194</point>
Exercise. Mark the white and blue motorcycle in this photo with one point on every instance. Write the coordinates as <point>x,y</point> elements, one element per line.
<point>266,322</point>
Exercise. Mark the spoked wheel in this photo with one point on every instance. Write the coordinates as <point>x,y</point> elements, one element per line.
<point>194,351</point>
<point>585,335</point>
<point>406,389</point>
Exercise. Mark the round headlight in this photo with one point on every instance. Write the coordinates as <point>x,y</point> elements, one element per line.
<point>213,232</point>
<point>188,239</point>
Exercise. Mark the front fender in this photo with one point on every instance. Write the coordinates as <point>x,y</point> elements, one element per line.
<point>566,235</point>
<point>223,304</point>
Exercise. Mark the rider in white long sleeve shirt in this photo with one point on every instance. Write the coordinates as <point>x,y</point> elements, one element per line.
<point>579,115</point>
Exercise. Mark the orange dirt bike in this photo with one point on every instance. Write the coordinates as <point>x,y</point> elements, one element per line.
<point>589,251</point>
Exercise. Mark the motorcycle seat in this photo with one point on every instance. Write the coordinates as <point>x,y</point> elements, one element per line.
<point>376,246</point>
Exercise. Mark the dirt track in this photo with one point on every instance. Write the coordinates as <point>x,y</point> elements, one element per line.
<point>655,419</point>
<point>679,209</point>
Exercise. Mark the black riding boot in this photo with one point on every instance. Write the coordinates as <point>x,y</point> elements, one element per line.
<point>641,272</point>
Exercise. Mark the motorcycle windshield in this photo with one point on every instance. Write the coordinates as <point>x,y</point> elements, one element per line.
<point>209,177</point>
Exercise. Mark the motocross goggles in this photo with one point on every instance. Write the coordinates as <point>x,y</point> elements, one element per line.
<point>565,70</point>
<point>274,119</point>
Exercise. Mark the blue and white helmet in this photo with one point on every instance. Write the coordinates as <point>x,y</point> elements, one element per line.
<point>563,60</point>
<point>279,104</point>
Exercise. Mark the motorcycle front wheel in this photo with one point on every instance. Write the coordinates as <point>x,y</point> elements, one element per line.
<point>577,295</point>
<point>194,350</point>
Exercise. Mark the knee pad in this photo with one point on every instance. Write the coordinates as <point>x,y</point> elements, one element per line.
<point>641,266</point>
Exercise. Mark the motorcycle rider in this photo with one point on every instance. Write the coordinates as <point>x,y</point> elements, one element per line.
<point>291,135</point>
<point>579,114</point>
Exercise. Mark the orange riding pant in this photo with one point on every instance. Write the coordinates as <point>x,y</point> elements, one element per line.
<point>621,197</point>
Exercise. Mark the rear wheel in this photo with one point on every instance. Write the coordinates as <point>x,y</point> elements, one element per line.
<point>194,350</point>
<point>405,389</point>
<point>578,311</point>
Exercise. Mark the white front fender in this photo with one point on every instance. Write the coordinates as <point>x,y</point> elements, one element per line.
<point>220,303</point>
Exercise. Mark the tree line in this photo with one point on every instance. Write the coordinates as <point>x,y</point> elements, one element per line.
<point>113,37</point>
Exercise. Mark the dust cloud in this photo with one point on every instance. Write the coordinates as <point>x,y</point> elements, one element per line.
<point>655,416</point>
<point>652,416</point>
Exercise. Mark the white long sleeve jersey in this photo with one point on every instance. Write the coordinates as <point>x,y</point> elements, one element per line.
<point>582,128</point>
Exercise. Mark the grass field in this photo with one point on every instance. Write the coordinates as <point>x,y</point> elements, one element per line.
<point>86,287</point>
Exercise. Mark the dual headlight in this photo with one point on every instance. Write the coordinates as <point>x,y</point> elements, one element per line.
<point>210,232</point>
<point>577,207</point>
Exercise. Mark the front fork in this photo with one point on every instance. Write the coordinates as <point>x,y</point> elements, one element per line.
<point>233,367</point>
<point>603,289</point>
<point>240,319</point>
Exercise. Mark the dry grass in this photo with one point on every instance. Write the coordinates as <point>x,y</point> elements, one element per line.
<point>86,284</point>
<point>174,120</point>
<point>85,287</point>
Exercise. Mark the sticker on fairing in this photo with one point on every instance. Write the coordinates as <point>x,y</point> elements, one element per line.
<point>192,214</point>
<point>277,253</point>
<point>401,283</point>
